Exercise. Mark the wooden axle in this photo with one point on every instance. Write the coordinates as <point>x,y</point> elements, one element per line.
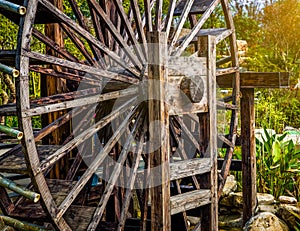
<point>19,225</point>
<point>11,132</point>
<point>6,183</point>
<point>21,10</point>
<point>9,70</point>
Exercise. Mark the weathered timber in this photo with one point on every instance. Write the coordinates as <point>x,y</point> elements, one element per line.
<point>6,204</point>
<point>129,186</point>
<point>199,7</point>
<point>190,200</point>
<point>127,25</point>
<point>51,159</point>
<point>169,17</point>
<point>79,102</point>
<point>179,25</point>
<point>248,154</point>
<point>158,15</point>
<point>196,28</point>
<point>235,95</point>
<point>148,18</point>
<point>158,110</point>
<point>79,44</point>
<point>21,10</point>
<point>139,25</point>
<point>9,70</point>
<point>219,33</point>
<point>186,168</point>
<point>114,177</point>
<point>4,182</point>
<point>53,45</point>
<point>80,67</point>
<point>226,71</point>
<point>93,167</point>
<point>68,21</point>
<point>257,80</point>
<point>11,132</point>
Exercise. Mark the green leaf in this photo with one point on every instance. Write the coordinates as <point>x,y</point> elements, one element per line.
<point>276,151</point>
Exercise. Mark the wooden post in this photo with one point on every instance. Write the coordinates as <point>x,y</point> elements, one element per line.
<point>158,111</point>
<point>248,153</point>
<point>208,131</point>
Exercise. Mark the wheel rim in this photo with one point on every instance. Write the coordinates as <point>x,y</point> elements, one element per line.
<point>132,61</point>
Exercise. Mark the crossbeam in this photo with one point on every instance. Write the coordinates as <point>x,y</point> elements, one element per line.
<point>257,80</point>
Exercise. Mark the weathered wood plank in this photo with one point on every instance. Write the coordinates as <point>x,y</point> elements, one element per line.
<point>196,28</point>
<point>128,27</point>
<point>79,67</point>
<point>115,175</point>
<point>248,154</point>
<point>199,7</point>
<point>130,184</point>
<point>51,159</point>
<point>169,17</point>
<point>179,25</point>
<point>257,80</point>
<point>190,200</point>
<point>186,168</point>
<point>115,33</point>
<point>79,102</point>
<point>82,32</point>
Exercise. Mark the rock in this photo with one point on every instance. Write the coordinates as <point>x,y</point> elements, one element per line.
<point>287,200</point>
<point>238,199</point>
<point>265,222</point>
<point>230,221</point>
<point>287,213</point>
<point>265,199</point>
<point>233,200</point>
<point>227,201</point>
<point>267,208</point>
<point>230,186</point>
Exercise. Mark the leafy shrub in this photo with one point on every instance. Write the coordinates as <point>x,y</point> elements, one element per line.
<point>278,166</point>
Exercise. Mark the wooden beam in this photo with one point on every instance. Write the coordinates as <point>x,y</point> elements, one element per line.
<point>257,80</point>
<point>158,111</point>
<point>248,153</point>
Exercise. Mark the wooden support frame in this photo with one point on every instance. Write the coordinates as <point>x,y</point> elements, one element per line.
<point>158,110</point>
<point>249,81</point>
<point>248,153</point>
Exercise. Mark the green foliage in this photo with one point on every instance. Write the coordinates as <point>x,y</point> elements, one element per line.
<point>278,166</point>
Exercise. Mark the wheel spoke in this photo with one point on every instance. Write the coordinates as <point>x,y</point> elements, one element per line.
<point>80,67</point>
<point>51,159</point>
<point>93,167</point>
<point>115,174</point>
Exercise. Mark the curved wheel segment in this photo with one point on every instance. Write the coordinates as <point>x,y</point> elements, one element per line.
<point>119,82</point>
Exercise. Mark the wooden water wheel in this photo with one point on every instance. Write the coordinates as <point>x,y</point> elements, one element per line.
<point>99,59</point>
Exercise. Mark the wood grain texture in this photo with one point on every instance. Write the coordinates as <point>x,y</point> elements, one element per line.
<point>248,154</point>
<point>158,110</point>
<point>190,200</point>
